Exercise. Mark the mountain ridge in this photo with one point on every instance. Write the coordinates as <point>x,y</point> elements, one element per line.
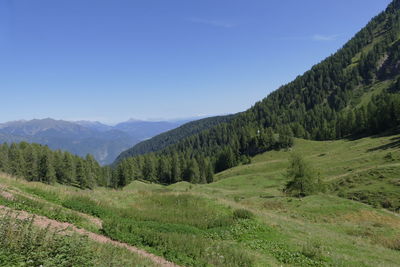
<point>104,141</point>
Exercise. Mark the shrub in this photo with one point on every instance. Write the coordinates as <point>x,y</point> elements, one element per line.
<point>312,250</point>
<point>389,157</point>
<point>243,214</point>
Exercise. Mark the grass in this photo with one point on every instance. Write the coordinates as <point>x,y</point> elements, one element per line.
<point>243,219</point>
<point>22,244</point>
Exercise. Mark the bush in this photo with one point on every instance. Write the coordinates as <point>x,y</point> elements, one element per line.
<point>389,157</point>
<point>243,214</point>
<point>312,250</point>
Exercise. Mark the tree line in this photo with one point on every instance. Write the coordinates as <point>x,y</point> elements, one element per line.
<point>184,163</point>
<point>38,163</point>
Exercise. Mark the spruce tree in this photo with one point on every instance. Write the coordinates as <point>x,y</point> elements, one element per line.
<point>175,169</point>
<point>4,160</point>
<point>47,173</point>
<point>303,181</point>
<point>68,173</point>
<point>32,163</point>
<point>82,174</point>
<point>149,170</point>
<point>16,160</point>
<point>192,172</point>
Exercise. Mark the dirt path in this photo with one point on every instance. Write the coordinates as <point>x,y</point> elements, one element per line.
<point>44,222</point>
<point>9,193</point>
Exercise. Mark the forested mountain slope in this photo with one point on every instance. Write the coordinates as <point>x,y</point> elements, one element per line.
<point>353,92</point>
<point>163,140</point>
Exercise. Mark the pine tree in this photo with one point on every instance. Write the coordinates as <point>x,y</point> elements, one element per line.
<point>303,180</point>
<point>164,170</point>
<point>92,171</point>
<point>58,164</point>
<point>47,173</point>
<point>192,172</point>
<point>16,160</point>
<point>4,161</point>
<point>82,174</point>
<point>225,160</point>
<point>175,169</point>
<point>68,173</point>
<point>209,173</point>
<point>32,163</point>
<point>149,170</point>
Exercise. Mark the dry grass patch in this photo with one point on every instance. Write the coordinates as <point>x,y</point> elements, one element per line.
<point>372,217</point>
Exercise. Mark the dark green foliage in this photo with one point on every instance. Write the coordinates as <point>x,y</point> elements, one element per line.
<point>163,140</point>
<point>242,214</point>
<point>303,180</point>
<point>192,173</point>
<point>38,163</point>
<point>32,162</point>
<point>67,171</point>
<point>16,160</point>
<point>196,160</point>
<point>47,173</point>
<point>225,160</point>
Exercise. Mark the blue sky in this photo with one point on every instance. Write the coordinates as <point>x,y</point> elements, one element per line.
<point>111,60</point>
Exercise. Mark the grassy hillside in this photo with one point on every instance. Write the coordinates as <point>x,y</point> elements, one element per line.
<point>367,169</point>
<point>243,219</point>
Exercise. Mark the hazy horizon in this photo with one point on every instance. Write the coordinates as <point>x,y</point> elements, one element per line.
<point>122,121</point>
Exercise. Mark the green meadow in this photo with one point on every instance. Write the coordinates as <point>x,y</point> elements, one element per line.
<point>243,218</point>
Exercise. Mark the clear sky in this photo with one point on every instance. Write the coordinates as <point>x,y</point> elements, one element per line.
<point>111,60</point>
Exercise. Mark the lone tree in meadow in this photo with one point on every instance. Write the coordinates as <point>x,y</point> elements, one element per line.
<point>303,181</point>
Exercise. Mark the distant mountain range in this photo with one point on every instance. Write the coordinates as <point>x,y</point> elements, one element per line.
<point>104,142</point>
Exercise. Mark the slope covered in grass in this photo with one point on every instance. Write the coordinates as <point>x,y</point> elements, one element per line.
<point>243,219</point>
<point>366,169</point>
